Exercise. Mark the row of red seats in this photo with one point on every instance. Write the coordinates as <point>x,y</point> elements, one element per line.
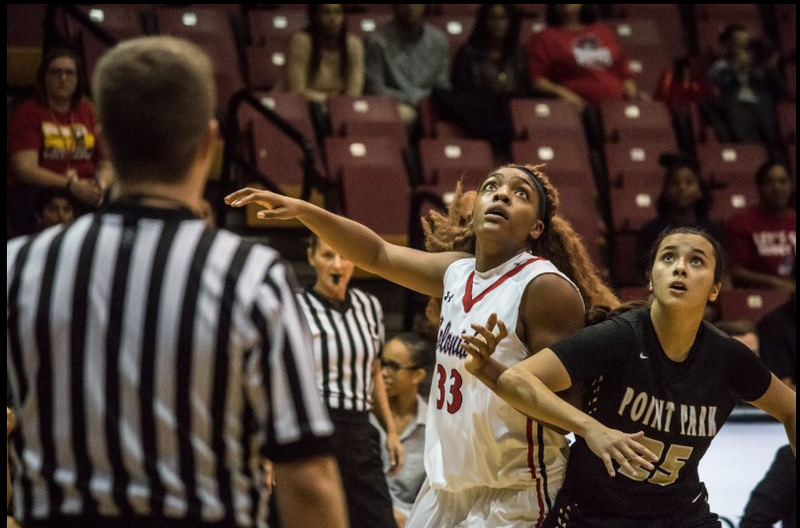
<point>652,35</point>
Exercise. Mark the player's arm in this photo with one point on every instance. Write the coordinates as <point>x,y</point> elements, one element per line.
<point>418,270</point>
<point>309,493</point>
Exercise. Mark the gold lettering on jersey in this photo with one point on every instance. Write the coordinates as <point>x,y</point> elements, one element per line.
<point>694,420</point>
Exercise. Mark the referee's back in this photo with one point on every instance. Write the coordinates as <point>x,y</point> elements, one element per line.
<point>154,362</point>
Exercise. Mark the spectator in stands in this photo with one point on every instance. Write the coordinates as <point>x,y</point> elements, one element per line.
<point>407,360</point>
<point>324,59</point>
<point>685,201</point>
<point>578,59</point>
<point>407,58</point>
<point>747,84</point>
<point>55,207</point>
<point>775,497</point>
<point>678,86</point>
<point>761,240</point>
<point>52,144</point>
<point>777,333</point>
<point>488,70</point>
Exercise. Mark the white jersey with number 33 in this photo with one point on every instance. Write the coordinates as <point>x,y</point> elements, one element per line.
<point>474,438</point>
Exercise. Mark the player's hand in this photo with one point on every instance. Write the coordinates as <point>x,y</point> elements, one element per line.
<point>482,345</point>
<point>624,449</point>
<point>276,206</point>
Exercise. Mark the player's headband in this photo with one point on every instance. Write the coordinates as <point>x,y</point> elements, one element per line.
<point>540,190</point>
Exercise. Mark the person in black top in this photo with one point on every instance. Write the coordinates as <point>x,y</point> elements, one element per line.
<point>660,384</point>
<point>775,497</point>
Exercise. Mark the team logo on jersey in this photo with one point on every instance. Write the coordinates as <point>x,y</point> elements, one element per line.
<point>448,296</point>
<point>449,343</point>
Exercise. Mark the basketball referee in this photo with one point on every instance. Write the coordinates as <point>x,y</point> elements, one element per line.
<point>153,361</point>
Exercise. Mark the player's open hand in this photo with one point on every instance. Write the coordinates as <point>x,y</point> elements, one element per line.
<point>482,345</point>
<point>276,206</point>
<point>627,450</point>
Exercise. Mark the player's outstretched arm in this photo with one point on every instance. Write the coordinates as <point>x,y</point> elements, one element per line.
<point>418,270</point>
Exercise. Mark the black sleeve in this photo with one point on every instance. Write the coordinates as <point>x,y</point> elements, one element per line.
<point>749,377</point>
<point>596,349</point>
<point>773,499</point>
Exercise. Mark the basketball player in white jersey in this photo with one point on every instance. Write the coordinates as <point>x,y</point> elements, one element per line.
<point>487,464</point>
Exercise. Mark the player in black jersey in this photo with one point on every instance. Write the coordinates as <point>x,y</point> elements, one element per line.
<point>661,383</point>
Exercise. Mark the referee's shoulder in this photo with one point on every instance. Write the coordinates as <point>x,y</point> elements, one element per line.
<point>250,244</point>
<point>364,295</point>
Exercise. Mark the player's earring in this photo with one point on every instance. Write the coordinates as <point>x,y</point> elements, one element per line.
<point>650,286</point>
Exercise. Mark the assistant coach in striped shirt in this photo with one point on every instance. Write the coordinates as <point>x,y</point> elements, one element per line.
<point>153,361</point>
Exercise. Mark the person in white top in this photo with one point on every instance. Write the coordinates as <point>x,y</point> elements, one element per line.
<point>502,248</point>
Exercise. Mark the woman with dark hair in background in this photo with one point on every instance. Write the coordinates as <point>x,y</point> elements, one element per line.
<point>52,144</point>
<point>488,70</point>
<point>685,201</point>
<point>324,59</point>
<point>761,239</point>
<point>406,362</point>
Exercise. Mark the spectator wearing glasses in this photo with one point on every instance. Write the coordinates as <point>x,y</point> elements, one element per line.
<point>52,144</point>
<point>406,362</point>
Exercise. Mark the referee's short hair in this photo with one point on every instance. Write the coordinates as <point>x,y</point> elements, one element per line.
<point>155,97</point>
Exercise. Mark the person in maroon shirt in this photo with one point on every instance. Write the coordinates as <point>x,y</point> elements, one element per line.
<point>579,60</point>
<point>52,143</point>
<point>761,240</point>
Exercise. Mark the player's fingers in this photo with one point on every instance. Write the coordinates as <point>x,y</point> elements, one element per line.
<point>248,195</point>
<point>609,466</point>
<point>503,331</point>
<point>487,335</point>
<point>236,195</point>
<point>473,345</point>
<point>640,449</point>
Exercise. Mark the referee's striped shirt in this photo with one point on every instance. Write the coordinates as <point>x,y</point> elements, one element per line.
<point>347,341</point>
<point>153,363</point>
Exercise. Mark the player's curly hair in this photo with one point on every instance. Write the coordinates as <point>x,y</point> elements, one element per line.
<point>558,243</point>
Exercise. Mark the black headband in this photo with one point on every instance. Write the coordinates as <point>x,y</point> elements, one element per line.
<point>540,190</point>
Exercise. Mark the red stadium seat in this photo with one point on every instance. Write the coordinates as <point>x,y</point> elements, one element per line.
<point>750,304</point>
<point>545,119</point>
<point>366,115</point>
<point>379,201</point>
<point>727,163</point>
<point>641,120</point>
<point>445,161</point>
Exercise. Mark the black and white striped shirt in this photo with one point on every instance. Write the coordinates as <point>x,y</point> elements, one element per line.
<point>347,341</point>
<point>152,363</point>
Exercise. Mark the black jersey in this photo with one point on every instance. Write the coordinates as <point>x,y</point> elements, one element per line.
<point>679,406</point>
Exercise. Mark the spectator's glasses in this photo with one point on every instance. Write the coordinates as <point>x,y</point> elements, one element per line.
<point>393,366</point>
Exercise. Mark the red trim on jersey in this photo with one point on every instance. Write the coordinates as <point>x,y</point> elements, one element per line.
<point>468,301</point>
<point>532,466</point>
